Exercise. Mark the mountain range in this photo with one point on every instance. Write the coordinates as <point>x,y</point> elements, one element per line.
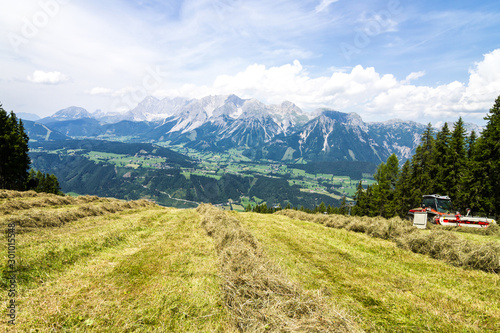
<point>281,132</point>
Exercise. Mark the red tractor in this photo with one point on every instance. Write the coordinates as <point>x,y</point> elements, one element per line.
<point>439,210</point>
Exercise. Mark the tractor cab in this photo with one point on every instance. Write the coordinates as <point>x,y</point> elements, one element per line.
<point>437,204</point>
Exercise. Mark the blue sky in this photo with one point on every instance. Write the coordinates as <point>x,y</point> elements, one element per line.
<point>428,61</point>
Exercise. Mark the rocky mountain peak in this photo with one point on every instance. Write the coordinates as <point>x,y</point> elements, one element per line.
<point>70,113</point>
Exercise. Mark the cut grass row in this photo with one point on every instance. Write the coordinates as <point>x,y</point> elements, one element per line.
<point>33,219</point>
<point>386,288</point>
<point>256,290</point>
<point>139,269</point>
<point>438,243</point>
<point>154,269</point>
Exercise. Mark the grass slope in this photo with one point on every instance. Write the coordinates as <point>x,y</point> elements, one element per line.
<point>387,288</point>
<point>103,265</point>
<point>139,269</point>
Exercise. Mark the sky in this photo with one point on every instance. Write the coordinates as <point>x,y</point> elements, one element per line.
<point>426,61</point>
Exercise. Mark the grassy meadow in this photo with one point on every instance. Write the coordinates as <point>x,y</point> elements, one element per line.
<point>141,268</point>
<point>89,264</point>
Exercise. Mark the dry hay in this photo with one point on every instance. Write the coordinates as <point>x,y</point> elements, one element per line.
<point>6,194</point>
<point>11,205</point>
<point>14,200</point>
<point>439,243</point>
<point>376,227</point>
<point>45,218</point>
<point>257,291</point>
<point>492,229</point>
<point>444,245</point>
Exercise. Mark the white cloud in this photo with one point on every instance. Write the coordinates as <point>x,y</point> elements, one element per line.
<point>100,91</point>
<point>362,90</point>
<point>323,5</point>
<point>484,83</point>
<point>413,76</point>
<point>47,77</point>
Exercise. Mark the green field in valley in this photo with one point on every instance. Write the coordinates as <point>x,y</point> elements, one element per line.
<point>137,174</point>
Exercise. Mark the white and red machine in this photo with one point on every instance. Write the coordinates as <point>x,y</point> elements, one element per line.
<point>439,210</point>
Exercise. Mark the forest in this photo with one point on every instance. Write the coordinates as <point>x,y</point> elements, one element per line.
<point>15,161</point>
<point>464,167</point>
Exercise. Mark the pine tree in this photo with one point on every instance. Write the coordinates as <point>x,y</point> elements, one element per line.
<point>470,192</point>
<point>440,173</point>
<point>392,170</point>
<point>322,207</point>
<point>402,196</point>
<point>471,144</point>
<point>14,159</point>
<point>361,207</point>
<point>486,165</point>
<point>457,166</point>
<point>422,164</point>
<point>383,192</point>
<point>343,206</point>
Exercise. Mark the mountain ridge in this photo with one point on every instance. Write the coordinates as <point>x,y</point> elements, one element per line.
<point>276,131</point>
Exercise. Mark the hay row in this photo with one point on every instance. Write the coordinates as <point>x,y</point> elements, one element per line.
<point>493,229</point>
<point>38,218</point>
<point>438,244</point>
<point>6,194</point>
<point>47,200</point>
<point>259,295</point>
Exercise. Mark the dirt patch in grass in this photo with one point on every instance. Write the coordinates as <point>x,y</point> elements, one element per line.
<point>258,293</point>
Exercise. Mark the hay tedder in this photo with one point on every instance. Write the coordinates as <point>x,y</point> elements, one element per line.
<point>438,209</point>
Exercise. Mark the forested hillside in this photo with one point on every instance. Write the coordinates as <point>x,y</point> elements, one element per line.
<point>168,186</point>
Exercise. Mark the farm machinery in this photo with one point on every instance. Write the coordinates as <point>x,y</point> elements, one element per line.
<point>438,209</point>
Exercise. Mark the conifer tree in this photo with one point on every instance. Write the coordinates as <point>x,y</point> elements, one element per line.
<point>322,207</point>
<point>471,144</point>
<point>421,164</point>
<point>486,166</point>
<point>440,177</point>
<point>343,206</point>
<point>383,192</point>
<point>392,169</point>
<point>457,166</point>
<point>402,195</point>
<point>361,207</point>
<point>14,159</point>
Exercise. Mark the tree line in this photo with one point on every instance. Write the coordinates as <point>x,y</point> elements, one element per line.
<point>344,209</point>
<point>15,162</point>
<point>464,167</point>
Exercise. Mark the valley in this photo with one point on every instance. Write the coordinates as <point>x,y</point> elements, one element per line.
<point>183,177</point>
<point>220,149</point>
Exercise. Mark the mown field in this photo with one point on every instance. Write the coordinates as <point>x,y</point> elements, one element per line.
<point>94,264</point>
